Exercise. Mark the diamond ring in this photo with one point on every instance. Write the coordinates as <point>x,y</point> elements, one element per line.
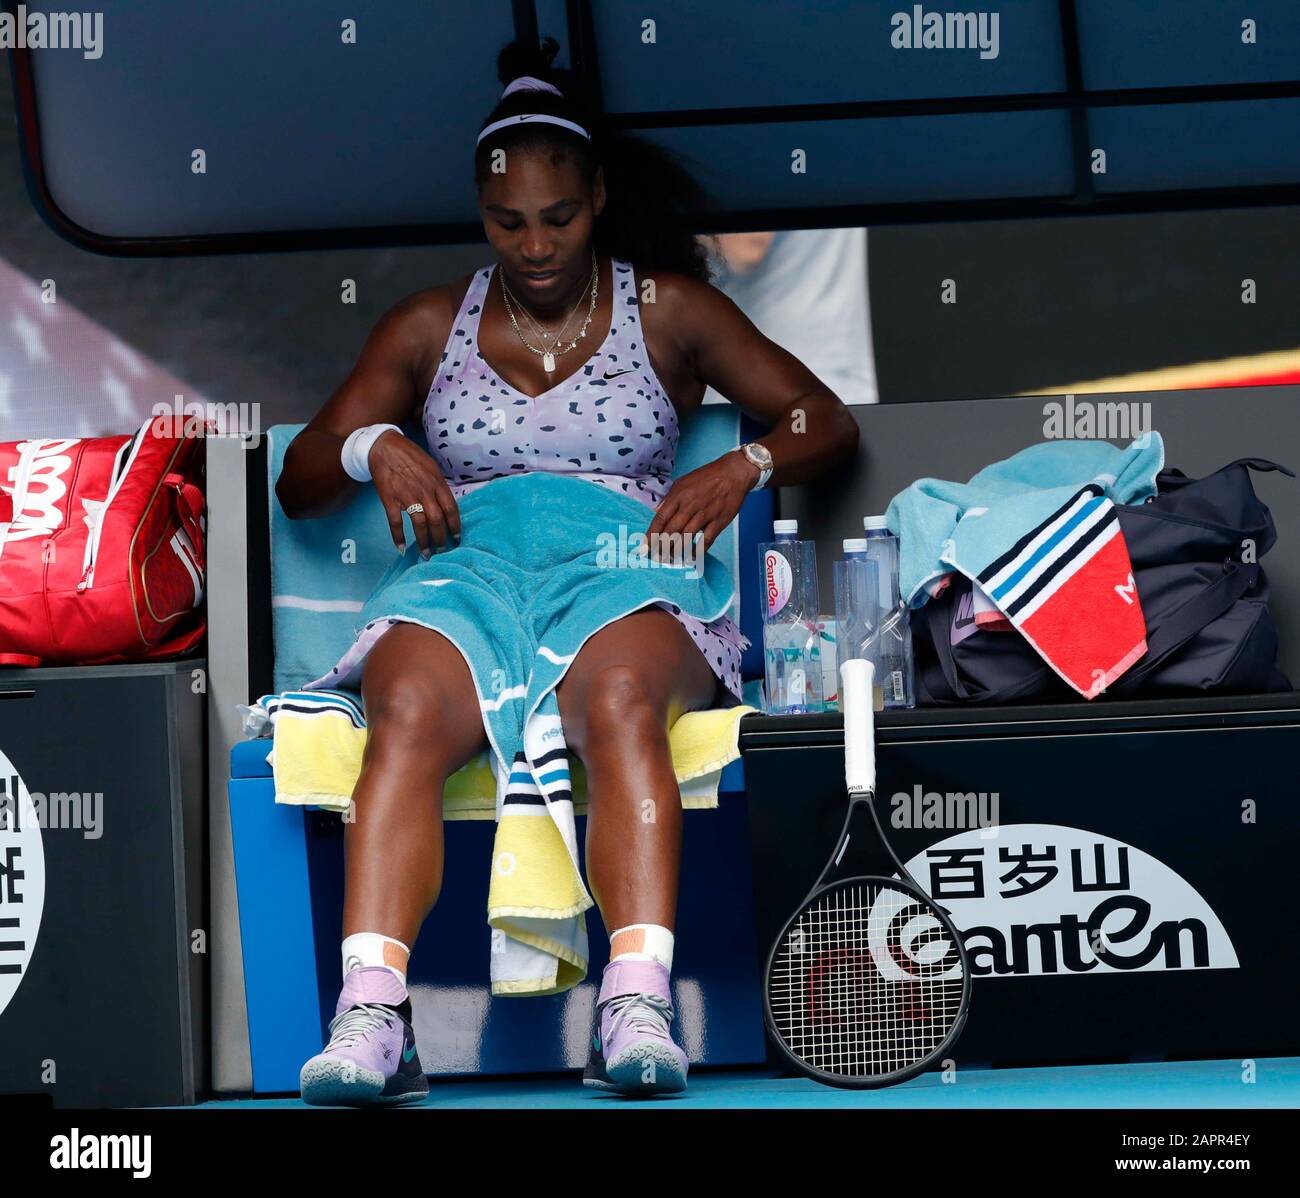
<point>415,507</point>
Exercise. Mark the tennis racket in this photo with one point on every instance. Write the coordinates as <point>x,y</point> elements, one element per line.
<point>868,982</point>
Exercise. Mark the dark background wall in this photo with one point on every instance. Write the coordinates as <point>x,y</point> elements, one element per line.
<point>1039,304</point>
<point>1043,304</point>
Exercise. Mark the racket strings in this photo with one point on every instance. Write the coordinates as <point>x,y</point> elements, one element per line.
<point>866,982</point>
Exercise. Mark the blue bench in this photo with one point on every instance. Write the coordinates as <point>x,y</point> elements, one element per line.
<point>288,865</point>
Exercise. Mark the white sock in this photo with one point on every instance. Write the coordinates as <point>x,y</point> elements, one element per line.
<point>370,948</point>
<point>642,942</point>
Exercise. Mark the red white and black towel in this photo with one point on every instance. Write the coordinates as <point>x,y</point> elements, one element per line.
<point>1067,587</point>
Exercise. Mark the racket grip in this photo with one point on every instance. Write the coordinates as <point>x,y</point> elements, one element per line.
<point>856,678</point>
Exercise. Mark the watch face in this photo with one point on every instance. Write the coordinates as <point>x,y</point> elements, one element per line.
<point>760,455</point>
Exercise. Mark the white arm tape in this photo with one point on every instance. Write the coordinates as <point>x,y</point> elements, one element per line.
<point>356,449</point>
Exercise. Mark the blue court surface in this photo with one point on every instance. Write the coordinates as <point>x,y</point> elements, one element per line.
<point>1196,1085</point>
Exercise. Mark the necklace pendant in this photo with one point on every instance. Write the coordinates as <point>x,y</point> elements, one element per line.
<point>548,363</point>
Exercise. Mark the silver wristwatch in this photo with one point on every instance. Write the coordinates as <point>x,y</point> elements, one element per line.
<point>761,457</point>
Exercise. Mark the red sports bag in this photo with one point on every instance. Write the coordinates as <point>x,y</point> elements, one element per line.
<point>101,548</point>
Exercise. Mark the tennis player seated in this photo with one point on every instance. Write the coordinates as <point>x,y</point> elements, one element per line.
<point>580,351</point>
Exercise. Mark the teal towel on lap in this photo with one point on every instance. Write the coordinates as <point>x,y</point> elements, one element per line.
<point>542,563</point>
<point>324,569</point>
<point>537,570</point>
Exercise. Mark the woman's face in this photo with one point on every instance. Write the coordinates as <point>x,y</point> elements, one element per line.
<point>538,216</point>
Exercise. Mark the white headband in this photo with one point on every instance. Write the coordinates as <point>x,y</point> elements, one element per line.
<point>531,84</point>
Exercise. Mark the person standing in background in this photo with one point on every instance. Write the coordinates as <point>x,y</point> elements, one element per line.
<point>805,289</point>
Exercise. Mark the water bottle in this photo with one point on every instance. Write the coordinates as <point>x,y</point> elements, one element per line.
<point>791,610</point>
<point>891,640</point>
<point>857,591</point>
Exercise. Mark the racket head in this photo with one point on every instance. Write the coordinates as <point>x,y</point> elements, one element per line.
<point>841,1018</point>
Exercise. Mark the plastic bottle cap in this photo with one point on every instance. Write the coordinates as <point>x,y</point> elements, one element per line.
<point>855,544</point>
<point>873,522</point>
<point>780,526</point>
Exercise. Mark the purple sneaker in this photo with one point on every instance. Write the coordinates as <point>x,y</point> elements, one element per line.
<point>371,1058</point>
<point>632,1050</point>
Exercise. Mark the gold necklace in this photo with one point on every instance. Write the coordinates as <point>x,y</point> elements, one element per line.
<point>541,332</point>
<point>548,355</point>
<point>528,316</point>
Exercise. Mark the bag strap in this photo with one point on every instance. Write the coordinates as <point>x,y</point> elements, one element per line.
<point>189,507</point>
<point>1261,464</point>
<point>1179,628</point>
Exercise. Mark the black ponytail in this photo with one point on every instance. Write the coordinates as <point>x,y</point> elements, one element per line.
<point>650,197</point>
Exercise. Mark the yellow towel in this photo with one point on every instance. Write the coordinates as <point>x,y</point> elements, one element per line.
<point>316,760</point>
<point>536,898</point>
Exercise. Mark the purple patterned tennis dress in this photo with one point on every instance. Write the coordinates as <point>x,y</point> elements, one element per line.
<point>611,423</point>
